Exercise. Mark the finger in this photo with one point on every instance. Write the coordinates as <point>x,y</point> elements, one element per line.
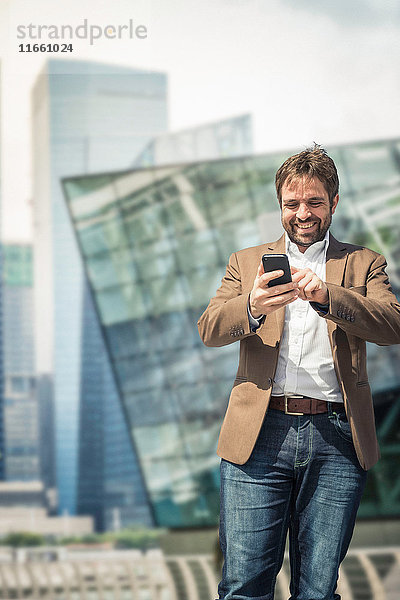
<point>281,299</point>
<point>260,270</point>
<point>294,270</point>
<point>291,298</point>
<point>302,284</point>
<point>305,280</point>
<point>311,287</point>
<point>295,297</point>
<point>302,295</point>
<point>271,275</point>
<point>299,274</point>
<point>276,290</point>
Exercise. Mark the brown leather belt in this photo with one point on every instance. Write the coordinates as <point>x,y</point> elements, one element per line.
<point>302,405</point>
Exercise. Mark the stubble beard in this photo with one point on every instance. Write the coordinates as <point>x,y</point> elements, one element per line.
<point>305,240</point>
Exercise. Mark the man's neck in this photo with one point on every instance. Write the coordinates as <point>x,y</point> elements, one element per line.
<point>302,248</point>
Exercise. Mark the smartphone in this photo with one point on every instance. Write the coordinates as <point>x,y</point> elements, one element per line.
<point>275,262</point>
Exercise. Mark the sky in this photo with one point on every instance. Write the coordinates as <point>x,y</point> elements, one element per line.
<point>307,70</point>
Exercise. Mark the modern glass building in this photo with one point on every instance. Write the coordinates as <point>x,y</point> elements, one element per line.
<point>105,488</point>
<point>221,139</point>
<point>86,117</point>
<point>155,243</point>
<point>45,401</point>
<point>21,424</point>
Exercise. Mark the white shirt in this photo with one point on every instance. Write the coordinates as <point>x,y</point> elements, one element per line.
<point>305,361</point>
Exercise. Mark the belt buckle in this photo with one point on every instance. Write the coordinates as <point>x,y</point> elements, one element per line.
<point>286,408</point>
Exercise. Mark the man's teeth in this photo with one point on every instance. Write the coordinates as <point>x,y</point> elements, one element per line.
<point>307,226</point>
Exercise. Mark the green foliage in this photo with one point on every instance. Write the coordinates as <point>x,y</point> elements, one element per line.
<point>23,539</point>
<point>142,539</point>
<point>66,541</point>
<point>90,538</point>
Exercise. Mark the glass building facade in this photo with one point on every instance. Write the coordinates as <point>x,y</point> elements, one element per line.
<point>45,400</point>
<point>221,139</point>
<point>21,422</point>
<point>155,243</point>
<point>105,491</point>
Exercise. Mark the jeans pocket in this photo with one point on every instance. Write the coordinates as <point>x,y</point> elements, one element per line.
<point>342,426</point>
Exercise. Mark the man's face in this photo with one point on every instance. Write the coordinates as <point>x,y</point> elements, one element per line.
<point>306,212</point>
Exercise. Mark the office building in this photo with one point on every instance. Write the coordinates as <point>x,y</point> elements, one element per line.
<point>47,445</point>
<point>20,403</point>
<point>220,139</point>
<point>87,117</point>
<point>155,243</point>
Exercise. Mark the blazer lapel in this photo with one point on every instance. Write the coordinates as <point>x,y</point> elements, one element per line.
<point>336,259</point>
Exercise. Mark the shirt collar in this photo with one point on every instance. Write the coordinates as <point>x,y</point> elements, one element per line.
<point>312,251</point>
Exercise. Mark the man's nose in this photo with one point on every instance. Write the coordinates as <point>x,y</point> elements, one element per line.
<point>303,212</point>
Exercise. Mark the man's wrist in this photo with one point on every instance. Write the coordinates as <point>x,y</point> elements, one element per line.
<point>323,308</point>
<point>252,311</point>
<point>258,317</point>
<point>254,322</point>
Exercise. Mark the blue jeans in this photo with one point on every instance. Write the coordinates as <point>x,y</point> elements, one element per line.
<point>303,475</point>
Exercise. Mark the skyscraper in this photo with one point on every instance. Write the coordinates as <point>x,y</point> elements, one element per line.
<point>45,401</point>
<point>20,410</point>
<point>86,117</point>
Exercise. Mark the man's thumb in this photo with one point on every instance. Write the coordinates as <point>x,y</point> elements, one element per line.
<point>260,270</point>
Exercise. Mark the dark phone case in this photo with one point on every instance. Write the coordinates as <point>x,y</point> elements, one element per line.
<point>274,262</point>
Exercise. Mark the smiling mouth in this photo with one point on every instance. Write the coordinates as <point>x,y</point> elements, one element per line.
<point>305,226</point>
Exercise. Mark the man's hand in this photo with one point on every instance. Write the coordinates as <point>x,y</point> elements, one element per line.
<point>311,287</point>
<point>264,300</point>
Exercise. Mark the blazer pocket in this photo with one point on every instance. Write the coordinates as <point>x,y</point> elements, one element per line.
<point>239,379</point>
<point>362,383</point>
<point>359,289</point>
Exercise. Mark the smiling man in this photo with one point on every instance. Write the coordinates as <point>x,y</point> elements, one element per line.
<point>299,434</point>
<point>307,210</point>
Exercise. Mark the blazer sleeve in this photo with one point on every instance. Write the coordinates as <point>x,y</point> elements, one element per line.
<point>225,319</point>
<point>371,311</point>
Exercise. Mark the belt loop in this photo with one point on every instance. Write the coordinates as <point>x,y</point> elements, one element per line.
<point>330,411</point>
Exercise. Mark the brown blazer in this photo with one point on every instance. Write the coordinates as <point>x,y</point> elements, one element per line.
<point>362,308</point>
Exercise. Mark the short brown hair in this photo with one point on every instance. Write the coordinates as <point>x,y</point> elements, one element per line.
<point>311,162</point>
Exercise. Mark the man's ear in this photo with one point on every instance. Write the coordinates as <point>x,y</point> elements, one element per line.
<point>334,203</point>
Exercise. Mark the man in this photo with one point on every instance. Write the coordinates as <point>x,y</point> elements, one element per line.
<point>299,433</point>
